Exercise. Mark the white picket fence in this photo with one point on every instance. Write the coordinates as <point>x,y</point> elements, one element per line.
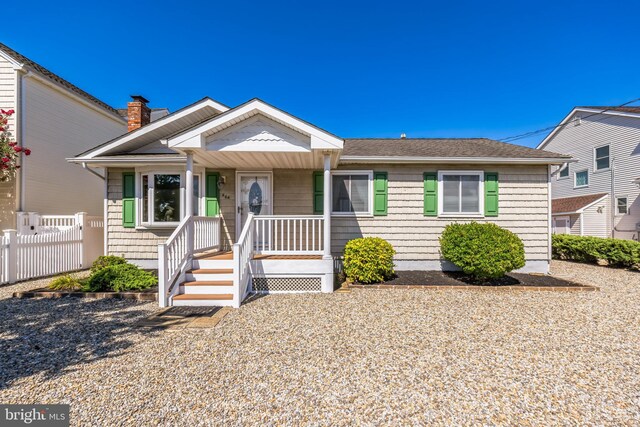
<point>50,247</point>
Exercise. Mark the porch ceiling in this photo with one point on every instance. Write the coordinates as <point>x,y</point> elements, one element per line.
<point>248,160</point>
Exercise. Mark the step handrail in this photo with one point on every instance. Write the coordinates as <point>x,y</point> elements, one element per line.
<point>173,257</point>
<point>242,255</point>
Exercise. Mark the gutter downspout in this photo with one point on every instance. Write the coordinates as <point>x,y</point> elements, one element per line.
<point>612,202</point>
<point>88,169</point>
<point>20,127</point>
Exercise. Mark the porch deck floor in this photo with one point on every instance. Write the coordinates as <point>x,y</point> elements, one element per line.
<point>227,255</point>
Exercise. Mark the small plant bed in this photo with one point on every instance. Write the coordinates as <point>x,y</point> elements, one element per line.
<point>460,280</point>
<point>150,294</point>
<point>111,277</point>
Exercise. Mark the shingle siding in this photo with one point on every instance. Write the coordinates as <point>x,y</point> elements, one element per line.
<point>523,209</point>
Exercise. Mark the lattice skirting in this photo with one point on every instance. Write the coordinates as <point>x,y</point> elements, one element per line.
<point>287,284</point>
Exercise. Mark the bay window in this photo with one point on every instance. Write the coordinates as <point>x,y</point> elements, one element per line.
<point>351,193</point>
<point>461,193</point>
<point>162,198</point>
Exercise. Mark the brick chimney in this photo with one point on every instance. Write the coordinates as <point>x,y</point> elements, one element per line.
<point>138,113</point>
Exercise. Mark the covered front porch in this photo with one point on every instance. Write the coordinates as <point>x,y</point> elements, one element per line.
<point>271,232</point>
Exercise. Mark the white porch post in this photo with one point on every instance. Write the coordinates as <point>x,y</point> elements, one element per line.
<point>327,206</point>
<point>188,209</point>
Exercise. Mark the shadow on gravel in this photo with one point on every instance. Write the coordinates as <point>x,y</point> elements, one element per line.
<point>51,336</point>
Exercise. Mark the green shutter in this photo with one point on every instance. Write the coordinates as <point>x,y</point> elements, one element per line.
<point>491,194</point>
<point>430,194</point>
<point>318,192</point>
<point>380,193</point>
<point>211,195</point>
<point>128,199</point>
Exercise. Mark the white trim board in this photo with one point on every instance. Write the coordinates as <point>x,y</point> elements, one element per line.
<point>566,120</point>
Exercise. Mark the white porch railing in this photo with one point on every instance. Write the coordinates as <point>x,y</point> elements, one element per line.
<point>242,254</point>
<point>282,234</point>
<point>30,255</point>
<point>175,255</point>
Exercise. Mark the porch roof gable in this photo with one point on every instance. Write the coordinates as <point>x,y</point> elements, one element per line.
<point>197,136</point>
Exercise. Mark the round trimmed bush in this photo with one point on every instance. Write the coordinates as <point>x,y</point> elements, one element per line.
<point>484,251</point>
<point>368,260</point>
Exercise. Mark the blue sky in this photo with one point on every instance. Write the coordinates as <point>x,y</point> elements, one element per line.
<point>356,68</point>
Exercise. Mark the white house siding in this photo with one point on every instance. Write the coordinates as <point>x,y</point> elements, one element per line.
<point>622,134</point>
<point>523,209</point>
<point>141,245</point>
<point>8,102</point>
<point>575,224</point>
<point>596,219</point>
<point>58,126</point>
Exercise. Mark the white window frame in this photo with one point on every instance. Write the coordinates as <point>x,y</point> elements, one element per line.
<point>139,199</point>
<point>575,178</point>
<point>369,174</point>
<point>626,204</point>
<point>558,177</point>
<point>481,194</point>
<point>595,159</point>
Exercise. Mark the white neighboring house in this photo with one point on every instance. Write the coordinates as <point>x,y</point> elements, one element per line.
<point>56,120</point>
<point>597,194</point>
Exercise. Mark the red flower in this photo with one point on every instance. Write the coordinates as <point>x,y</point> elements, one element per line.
<point>17,149</point>
<point>3,166</point>
<point>17,166</point>
<point>27,151</point>
<point>11,144</point>
<point>10,112</point>
<point>5,159</point>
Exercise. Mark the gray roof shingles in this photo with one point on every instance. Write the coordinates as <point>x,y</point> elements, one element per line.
<point>62,82</point>
<point>442,147</point>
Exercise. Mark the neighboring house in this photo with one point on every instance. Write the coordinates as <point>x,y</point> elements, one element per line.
<point>597,193</point>
<point>285,196</point>
<point>55,119</point>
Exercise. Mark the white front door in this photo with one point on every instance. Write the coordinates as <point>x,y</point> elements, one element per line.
<point>561,225</point>
<point>253,194</point>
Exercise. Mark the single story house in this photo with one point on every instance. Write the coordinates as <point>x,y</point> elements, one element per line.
<point>227,200</point>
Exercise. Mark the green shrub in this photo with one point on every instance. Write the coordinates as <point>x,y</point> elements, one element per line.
<point>106,261</point>
<point>615,252</point>
<point>120,278</point>
<point>368,260</point>
<point>65,283</point>
<point>484,251</point>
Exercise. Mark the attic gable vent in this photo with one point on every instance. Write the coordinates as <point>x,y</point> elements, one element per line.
<point>577,121</point>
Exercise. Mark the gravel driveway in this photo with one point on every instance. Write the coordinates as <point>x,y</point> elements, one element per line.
<point>369,357</point>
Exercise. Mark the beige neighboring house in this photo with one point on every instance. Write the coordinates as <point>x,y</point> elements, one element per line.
<point>224,200</point>
<point>55,119</point>
<point>597,194</point>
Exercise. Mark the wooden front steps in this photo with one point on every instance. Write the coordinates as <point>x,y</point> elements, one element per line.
<point>209,281</point>
<point>211,271</point>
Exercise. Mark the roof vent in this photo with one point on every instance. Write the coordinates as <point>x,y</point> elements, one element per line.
<point>403,135</point>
